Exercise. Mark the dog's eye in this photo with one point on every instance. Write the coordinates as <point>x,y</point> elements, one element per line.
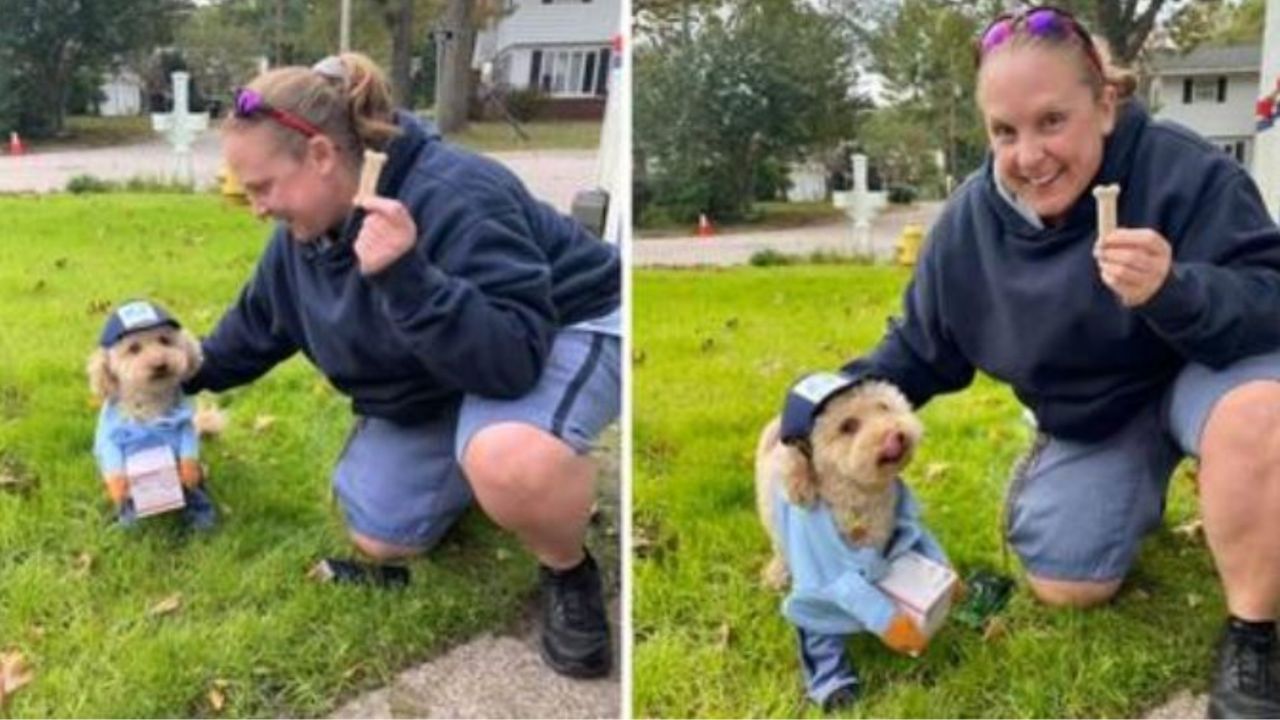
<point>849,426</point>
<point>134,348</point>
<point>165,340</point>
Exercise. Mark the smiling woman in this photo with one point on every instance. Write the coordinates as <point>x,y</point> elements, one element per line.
<point>1132,347</point>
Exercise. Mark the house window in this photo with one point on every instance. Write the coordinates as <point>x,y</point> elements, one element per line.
<point>1235,149</point>
<point>1207,89</point>
<point>569,72</point>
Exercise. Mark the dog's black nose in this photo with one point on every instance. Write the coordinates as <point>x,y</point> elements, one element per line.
<point>159,372</point>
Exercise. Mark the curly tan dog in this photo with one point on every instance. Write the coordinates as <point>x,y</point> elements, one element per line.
<point>860,442</point>
<point>142,374</point>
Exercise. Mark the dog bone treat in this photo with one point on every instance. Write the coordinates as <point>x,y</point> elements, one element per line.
<point>1106,196</point>
<point>369,172</point>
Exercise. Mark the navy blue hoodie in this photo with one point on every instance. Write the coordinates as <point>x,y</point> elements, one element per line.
<point>471,308</point>
<point>1028,305</point>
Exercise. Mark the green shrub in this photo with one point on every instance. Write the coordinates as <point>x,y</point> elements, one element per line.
<point>89,184</point>
<point>903,194</point>
<point>770,257</point>
<point>525,104</point>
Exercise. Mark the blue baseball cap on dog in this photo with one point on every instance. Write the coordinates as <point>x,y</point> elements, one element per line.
<point>134,316</point>
<point>805,400</point>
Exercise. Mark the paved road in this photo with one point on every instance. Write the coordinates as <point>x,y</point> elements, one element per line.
<point>553,175</point>
<point>737,248</point>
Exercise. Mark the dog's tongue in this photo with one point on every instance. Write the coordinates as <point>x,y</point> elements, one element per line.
<point>893,447</point>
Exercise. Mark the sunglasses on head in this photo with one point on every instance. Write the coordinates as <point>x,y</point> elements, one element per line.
<point>251,104</point>
<point>1042,21</point>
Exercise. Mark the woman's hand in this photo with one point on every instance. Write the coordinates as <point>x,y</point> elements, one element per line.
<point>387,234</point>
<point>1134,262</point>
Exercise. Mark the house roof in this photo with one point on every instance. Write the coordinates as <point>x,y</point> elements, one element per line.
<point>1204,59</point>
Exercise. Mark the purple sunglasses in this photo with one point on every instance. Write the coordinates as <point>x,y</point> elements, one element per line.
<point>1042,21</point>
<point>250,104</point>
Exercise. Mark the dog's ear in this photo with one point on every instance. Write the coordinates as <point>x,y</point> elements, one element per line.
<point>195,356</point>
<point>102,382</point>
<point>798,477</point>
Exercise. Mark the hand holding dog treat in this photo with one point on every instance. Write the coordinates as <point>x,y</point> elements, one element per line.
<point>388,231</point>
<point>370,171</point>
<point>1134,262</point>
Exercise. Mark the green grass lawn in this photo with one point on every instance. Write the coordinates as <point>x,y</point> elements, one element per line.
<point>543,135</point>
<point>770,215</point>
<point>713,354</point>
<point>75,592</point>
<point>94,131</point>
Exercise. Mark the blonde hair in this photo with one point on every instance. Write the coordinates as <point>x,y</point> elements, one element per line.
<point>346,96</point>
<point>1104,73</point>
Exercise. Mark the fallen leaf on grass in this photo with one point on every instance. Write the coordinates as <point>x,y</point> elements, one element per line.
<point>166,606</point>
<point>82,565</point>
<point>1192,529</point>
<point>995,629</point>
<point>724,635</point>
<point>14,673</point>
<point>1193,600</point>
<point>216,699</point>
<point>262,422</point>
<point>934,471</point>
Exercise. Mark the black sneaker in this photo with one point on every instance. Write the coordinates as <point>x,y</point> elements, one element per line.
<point>575,630</point>
<point>1246,683</point>
<point>841,698</point>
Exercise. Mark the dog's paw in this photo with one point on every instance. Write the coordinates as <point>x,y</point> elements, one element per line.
<point>775,575</point>
<point>210,420</point>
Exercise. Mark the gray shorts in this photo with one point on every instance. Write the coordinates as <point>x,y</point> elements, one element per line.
<point>403,484</point>
<point>1078,511</point>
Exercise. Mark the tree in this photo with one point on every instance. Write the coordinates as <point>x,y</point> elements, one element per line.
<point>758,85</point>
<point>50,42</point>
<point>453,92</point>
<point>1216,22</point>
<point>221,52</point>
<point>924,52</point>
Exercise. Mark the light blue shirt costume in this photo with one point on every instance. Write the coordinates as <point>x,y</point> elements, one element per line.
<point>832,580</point>
<point>119,435</point>
<point>833,590</point>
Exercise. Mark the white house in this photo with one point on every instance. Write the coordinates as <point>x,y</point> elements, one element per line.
<point>562,47</point>
<point>121,93</point>
<point>1212,91</point>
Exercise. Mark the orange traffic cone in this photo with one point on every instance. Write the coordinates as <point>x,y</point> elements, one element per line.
<point>15,144</point>
<point>704,226</point>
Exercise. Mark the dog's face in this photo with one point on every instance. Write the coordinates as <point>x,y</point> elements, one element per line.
<point>865,436</point>
<point>147,362</point>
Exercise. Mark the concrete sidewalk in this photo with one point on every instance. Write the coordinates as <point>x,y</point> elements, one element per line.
<point>737,248</point>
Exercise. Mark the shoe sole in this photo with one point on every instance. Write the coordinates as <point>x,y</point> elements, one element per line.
<point>582,670</point>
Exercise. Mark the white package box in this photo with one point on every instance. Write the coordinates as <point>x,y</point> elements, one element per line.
<point>154,484</point>
<point>921,588</point>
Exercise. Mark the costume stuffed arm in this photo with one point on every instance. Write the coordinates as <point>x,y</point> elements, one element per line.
<point>110,459</point>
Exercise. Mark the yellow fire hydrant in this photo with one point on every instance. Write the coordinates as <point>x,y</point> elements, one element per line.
<point>909,244</point>
<point>232,190</point>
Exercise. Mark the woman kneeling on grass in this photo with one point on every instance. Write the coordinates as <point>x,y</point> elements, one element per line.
<point>475,329</point>
<point>1156,341</point>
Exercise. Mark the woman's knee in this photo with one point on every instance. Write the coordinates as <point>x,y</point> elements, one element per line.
<point>383,551</point>
<point>1245,425</point>
<point>1073,593</point>
<point>516,459</point>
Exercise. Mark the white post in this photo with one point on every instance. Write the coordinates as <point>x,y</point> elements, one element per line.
<point>1266,151</point>
<point>344,27</point>
<point>180,128</point>
<point>861,208</point>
